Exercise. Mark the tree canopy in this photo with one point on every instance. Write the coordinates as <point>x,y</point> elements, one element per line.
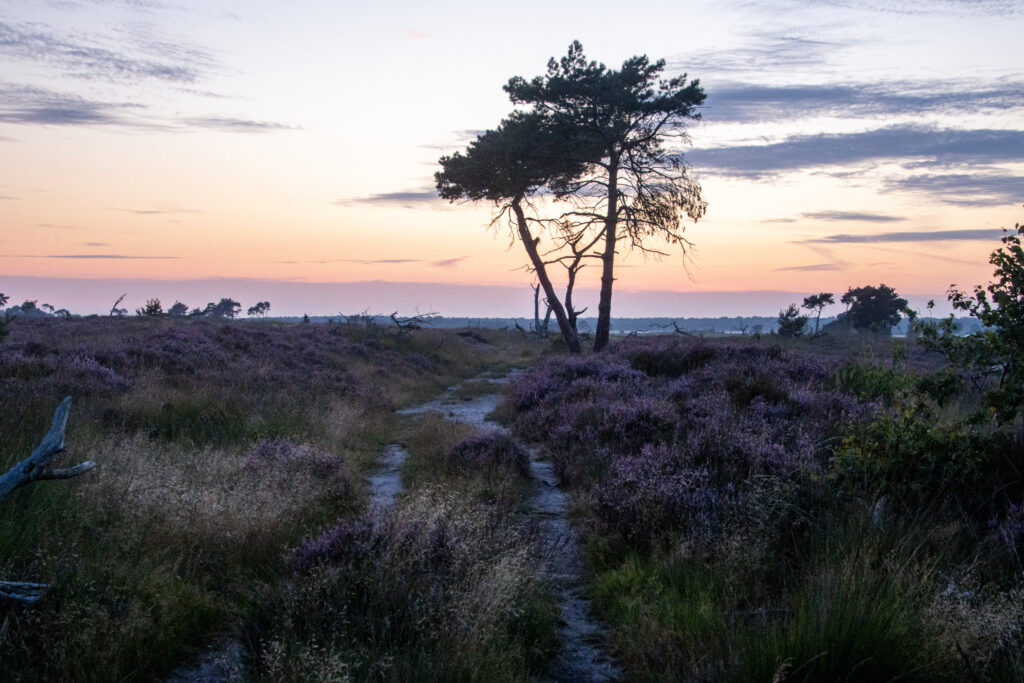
<point>873,309</point>
<point>790,322</point>
<point>604,145</point>
<point>628,125</point>
<point>508,166</point>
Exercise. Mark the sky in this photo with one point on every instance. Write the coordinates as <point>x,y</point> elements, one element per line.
<point>286,151</point>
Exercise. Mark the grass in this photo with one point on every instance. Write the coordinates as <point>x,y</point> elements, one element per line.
<point>217,447</point>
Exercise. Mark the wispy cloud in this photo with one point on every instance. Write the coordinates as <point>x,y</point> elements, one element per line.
<point>7,197</point>
<point>448,262</point>
<point>961,189</point>
<point>941,146</point>
<point>95,244</point>
<point>851,216</point>
<point>235,125</point>
<point>750,102</point>
<point>94,256</point>
<point>416,35</point>
<point>407,198</point>
<point>760,53</point>
<point>442,263</point>
<point>922,236</point>
<point>154,212</point>
<point>95,57</point>
<point>811,268</point>
<point>30,105</point>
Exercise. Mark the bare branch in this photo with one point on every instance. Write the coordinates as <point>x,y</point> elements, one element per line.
<point>36,466</point>
<point>22,591</point>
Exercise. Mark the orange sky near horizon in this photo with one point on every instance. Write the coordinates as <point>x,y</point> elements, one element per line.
<point>201,141</point>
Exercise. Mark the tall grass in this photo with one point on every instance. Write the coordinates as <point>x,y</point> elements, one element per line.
<point>787,513</point>
<point>218,446</point>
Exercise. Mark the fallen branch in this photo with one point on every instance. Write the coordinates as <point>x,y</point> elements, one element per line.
<point>406,325</point>
<point>22,591</point>
<point>36,466</point>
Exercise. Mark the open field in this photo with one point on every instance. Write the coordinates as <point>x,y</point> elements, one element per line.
<point>218,446</point>
<point>749,509</point>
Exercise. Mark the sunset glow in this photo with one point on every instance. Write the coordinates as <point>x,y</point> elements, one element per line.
<point>266,145</point>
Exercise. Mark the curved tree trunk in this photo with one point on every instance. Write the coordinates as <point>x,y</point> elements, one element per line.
<point>572,340</point>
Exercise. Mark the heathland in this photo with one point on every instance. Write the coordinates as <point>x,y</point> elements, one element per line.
<point>750,508</point>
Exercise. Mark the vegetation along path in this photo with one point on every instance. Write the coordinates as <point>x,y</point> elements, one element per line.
<point>580,657</point>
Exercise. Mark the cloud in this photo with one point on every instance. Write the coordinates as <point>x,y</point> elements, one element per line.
<point>31,105</point>
<point>759,54</point>
<point>941,146</point>
<point>976,189</point>
<point>94,256</point>
<point>749,102</point>
<point>87,57</point>
<point>362,262</point>
<point>154,212</point>
<point>972,8</point>
<point>923,236</point>
<point>851,216</point>
<point>812,268</point>
<point>408,198</point>
<point>235,125</point>
<point>416,35</point>
<point>448,262</point>
<point>7,197</point>
<point>95,244</point>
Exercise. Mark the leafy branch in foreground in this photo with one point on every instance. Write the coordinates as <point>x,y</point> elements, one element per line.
<point>998,350</point>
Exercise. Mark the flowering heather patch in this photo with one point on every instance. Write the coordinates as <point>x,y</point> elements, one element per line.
<point>731,411</point>
<point>489,450</point>
<point>438,589</point>
<point>656,493</point>
<point>217,443</point>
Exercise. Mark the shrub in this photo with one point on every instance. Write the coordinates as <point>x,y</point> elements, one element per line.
<point>490,450</point>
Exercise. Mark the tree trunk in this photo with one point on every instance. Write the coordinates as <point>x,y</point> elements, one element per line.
<point>572,340</point>
<point>604,305</point>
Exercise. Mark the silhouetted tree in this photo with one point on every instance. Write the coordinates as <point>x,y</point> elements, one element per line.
<point>509,166</point>
<point>791,323</point>
<point>633,188</point>
<point>817,302</point>
<point>178,310</point>
<point>29,307</point>
<point>259,309</point>
<point>4,329</point>
<point>873,309</point>
<point>116,312</point>
<point>152,309</point>
<point>224,309</point>
<point>999,348</point>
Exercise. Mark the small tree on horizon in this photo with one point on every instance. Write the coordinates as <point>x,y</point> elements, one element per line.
<point>873,309</point>
<point>259,309</point>
<point>178,310</point>
<point>790,323</point>
<point>152,309</point>
<point>817,302</point>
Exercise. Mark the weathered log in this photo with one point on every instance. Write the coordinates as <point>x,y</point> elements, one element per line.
<point>36,466</point>
<point>22,591</point>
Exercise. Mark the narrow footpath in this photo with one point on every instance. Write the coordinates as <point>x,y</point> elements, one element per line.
<point>580,657</point>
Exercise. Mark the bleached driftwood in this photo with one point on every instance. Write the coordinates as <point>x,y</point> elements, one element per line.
<point>36,467</point>
<point>22,591</point>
